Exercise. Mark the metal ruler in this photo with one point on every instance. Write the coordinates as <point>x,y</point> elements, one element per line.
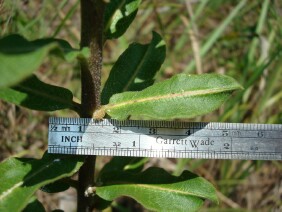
<point>168,139</point>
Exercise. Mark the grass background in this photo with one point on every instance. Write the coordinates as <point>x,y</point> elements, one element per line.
<point>242,39</point>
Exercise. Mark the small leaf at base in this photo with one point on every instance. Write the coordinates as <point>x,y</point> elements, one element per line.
<point>34,205</point>
<point>55,187</point>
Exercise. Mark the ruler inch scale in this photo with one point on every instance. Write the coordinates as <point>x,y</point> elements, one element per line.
<point>165,139</point>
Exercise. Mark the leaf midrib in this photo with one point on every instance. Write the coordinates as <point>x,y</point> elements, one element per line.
<point>169,96</point>
<point>137,70</point>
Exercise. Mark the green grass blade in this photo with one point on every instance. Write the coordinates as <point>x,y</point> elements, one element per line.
<point>259,28</point>
<point>216,34</point>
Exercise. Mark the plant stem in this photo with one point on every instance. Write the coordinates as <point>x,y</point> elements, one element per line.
<point>91,36</point>
<point>92,12</point>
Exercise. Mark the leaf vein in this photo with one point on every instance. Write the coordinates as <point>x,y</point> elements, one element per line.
<point>137,70</point>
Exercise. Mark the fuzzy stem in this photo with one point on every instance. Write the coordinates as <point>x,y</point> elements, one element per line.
<point>92,12</point>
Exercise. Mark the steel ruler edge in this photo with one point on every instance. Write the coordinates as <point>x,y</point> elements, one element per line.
<point>167,139</point>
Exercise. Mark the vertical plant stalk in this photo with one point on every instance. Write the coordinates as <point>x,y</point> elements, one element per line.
<point>193,32</point>
<point>92,13</point>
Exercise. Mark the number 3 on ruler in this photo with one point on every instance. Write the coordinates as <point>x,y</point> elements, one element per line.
<point>116,144</point>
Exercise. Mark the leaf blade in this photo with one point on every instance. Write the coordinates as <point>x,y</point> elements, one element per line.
<point>118,16</point>
<point>154,187</point>
<point>138,62</point>
<point>23,177</point>
<point>182,96</point>
<point>34,205</point>
<point>19,57</point>
<point>55,187</point>
<point>37,95</point>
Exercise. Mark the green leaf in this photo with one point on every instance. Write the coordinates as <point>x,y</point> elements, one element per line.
<point>22,177</point>
<point>34,205</point>
<point>37,95</point>
<point>55,187</point>
<point>100,204</point>
<point>132,164</point>
<point>182,96</point>
<point>19,57</point>
<point>118,16</point>
<point>116,164</point>
<point>157,190</point>
<point>135,68</point>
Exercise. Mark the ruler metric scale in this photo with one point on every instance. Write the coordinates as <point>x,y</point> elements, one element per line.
<point>168,139</point>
